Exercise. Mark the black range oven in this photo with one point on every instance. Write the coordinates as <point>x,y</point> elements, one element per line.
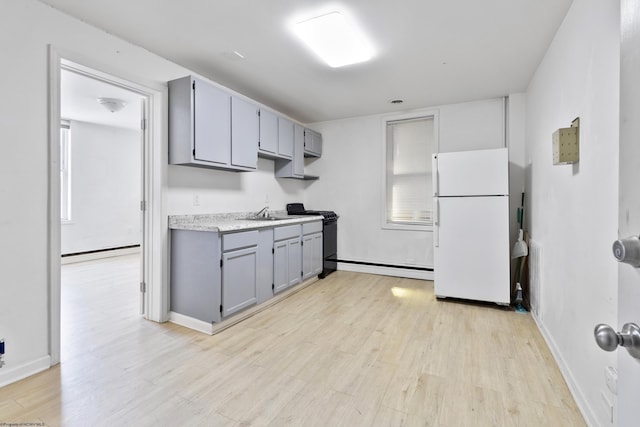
<point>329,235</point>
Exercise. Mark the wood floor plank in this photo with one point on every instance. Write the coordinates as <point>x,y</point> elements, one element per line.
<point>353,349</point>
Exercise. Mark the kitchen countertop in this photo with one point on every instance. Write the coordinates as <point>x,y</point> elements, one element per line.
<point>229,222</point>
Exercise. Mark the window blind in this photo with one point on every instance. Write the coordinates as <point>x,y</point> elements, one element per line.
<point>410,144</point>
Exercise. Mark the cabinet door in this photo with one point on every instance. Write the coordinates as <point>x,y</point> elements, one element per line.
<point>211,123</point>
<point>280,265</point>
<point>268,132</point>
<point>307,256</point>
<point>316,147</point>
<point>285,137</point>
<point>318,256</point>
<point>298,151</point>
<point>295,262</point>
<point>245,133</point>
<point>238,279</point>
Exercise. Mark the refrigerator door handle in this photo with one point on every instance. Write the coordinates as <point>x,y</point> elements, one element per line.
<point>434,174</point>
<point>436,222</point>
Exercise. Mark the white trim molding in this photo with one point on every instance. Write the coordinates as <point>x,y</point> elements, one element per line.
<point>10,375</point>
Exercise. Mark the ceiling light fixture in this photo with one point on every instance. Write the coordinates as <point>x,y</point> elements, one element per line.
<point>334,39</point>
<point>112,104</point>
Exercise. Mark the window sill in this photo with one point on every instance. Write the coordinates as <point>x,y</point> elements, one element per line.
<point>407,227</point>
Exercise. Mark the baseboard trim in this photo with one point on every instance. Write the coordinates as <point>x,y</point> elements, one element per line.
<point>11,375</point>
<point>410,273</point>
<point>214,328</point>
<point>93,255</point>
<point>191,323</point>
<point>585,409</point>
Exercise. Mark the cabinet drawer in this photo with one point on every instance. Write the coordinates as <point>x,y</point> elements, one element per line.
<point>311,227</point>
<point>286,232</point>
<point>243,239</point>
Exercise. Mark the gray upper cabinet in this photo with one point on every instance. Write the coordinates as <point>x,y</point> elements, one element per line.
<point>312,143</point>
<point>285,138</point>
<point>202,131</point>
<point>276,136</point>
<point>268,144</point>
<point>293,168</point>
<point>245,133</point>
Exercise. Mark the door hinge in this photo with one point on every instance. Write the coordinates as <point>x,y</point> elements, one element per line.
<point>220,308</point>
<point>302,243</point>
<point>143,287</point>
<point>258,144</point>
<point>301,273</point>
<point>143,124</point>
<point>273,250</point>
<point>193,85</point>
<point>194,152</point>
<point>221,263</point>
<point>258,113</point>
<point>273,286</point>
<point>143,205</point>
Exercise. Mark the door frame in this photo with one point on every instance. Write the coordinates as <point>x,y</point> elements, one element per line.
<point>154,250</point>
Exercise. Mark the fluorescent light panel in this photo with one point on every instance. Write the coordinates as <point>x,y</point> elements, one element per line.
<point>334,39</point>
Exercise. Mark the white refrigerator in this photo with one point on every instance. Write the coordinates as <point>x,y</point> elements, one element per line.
<point>471,225</point>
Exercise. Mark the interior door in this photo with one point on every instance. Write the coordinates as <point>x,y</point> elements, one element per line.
<point>629,204</point>
<point>143,205</point>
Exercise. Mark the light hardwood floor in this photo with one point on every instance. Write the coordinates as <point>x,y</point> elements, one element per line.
<point>352,349</point>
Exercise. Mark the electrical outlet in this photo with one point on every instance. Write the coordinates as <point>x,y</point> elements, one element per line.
<point>196,200</point>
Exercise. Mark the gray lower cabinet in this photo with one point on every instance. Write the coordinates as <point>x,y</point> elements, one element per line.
<point>287,257</point>
<point>215,275</point>
<point>239,271</point>
<point>264,279</point>
<point>312,255</point>
<point>195,275</point>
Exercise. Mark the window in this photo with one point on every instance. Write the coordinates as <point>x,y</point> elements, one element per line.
<point>410,142</point>
<point>65,172</point>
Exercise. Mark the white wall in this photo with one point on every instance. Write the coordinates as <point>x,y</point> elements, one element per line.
<point>573,209</point>
<point>351,170</point>
<point>105,188</point>
<point>222,191</point>
<point>27,29</point>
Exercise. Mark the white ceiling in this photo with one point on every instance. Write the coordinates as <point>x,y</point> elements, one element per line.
<point>429,52</point>
<point>79,101</point>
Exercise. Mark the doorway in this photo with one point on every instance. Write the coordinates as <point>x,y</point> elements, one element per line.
<point>141,101</point>
<point>100,189</point>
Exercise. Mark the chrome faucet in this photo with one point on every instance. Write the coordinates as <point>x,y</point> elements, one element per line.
<point>263,213</point>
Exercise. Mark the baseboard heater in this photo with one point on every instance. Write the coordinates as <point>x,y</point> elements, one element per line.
<point>375,264</point>
<point>100,250</point>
